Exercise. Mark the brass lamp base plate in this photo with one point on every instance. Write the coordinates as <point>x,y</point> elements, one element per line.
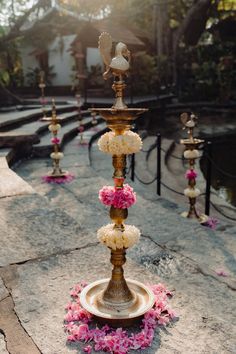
<point>202,217</point>
<point>91,300</point>
<point>57,175</point>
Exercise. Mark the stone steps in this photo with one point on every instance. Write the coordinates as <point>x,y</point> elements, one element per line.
<point>26,135</point>
<point>44,147</point>
<point>9,121</point>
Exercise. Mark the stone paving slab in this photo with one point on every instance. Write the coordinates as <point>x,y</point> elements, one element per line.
<point>168,228</point>
<point>3,160</point>
<point>213,250</point>
<point>11,184</point>
<point>3,349</point>
<point>206,308</point>
<point>32,228</point>
<point>3,291</point>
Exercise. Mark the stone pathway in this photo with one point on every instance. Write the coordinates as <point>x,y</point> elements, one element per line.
<point>49,244</point>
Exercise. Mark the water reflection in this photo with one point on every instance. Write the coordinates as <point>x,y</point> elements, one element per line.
<point>210,126</point>
<point>224,167</point>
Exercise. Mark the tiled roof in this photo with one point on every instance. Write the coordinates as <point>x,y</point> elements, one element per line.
<point>117,31</point>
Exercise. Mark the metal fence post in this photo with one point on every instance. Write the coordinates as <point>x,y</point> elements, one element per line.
<point>159,164</point>
<point>132,166</point>
<point>208,177</point>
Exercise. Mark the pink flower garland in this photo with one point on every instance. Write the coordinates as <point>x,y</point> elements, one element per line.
<point>191,174</point>
<point>43,101</point>
<point>120,198</point>
<point>116,341</point>
<point>55,140</point>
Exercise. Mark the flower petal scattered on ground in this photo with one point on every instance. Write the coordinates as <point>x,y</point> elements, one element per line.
<point>116,341</point>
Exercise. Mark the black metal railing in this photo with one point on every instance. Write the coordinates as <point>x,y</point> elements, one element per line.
<point>159,183</point>
<point>131,170</point>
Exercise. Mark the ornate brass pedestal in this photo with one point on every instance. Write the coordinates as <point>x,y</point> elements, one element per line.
<point>117,301</point>
<point>191,154</point>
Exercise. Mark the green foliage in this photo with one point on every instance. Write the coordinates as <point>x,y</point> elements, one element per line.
<point>4,77</point>
<point>33,76</point>
<point>95,78</point>
<point>10,66</point>
<point>144,74</point>
<point>208,72</point>
<point>164,72</point>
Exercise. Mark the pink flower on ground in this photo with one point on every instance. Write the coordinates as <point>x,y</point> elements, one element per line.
<point>71,338</point>
<point>81,129</point>
<point>163,320</point>
<point>69,327</point>
<point>116,341</point>
<point>150,319</point>
<point>82,332</point>
<point>191,174</point>
<point>69,316</point>
<point>221,273</point>
<point>55,140</point>
<point>68,306</point>
<point>211,223</point>
<point>58,180</point>
<point>88,349</point>
<point>82,315</point>
<point>159,289</point>
<point>171,313</point>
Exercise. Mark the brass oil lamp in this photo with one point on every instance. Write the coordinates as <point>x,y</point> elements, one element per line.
<point>117,301</point>
<point>56,155</point>
<point>191,153</point>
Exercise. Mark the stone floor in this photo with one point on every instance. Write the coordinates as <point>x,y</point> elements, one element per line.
<point>49,244</point>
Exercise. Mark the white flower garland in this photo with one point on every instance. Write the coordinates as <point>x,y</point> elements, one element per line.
<point>54,127</point>
<point>191,193</point>
<point>117,239</point>
<point>128,143</point>
<point>57,155</point>
<point>191,154</point>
